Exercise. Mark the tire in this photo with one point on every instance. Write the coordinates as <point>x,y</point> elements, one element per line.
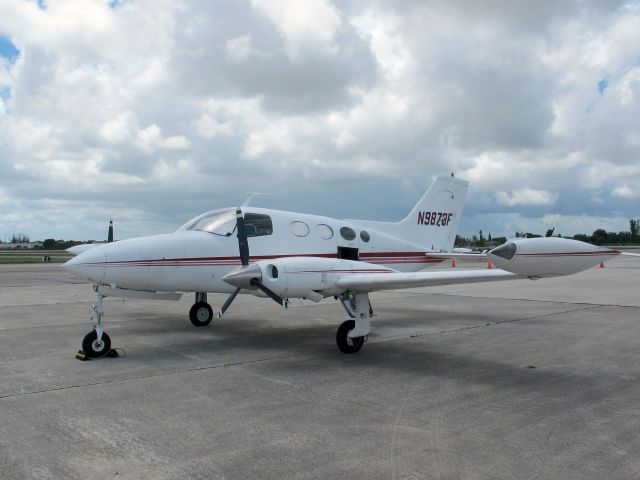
<point>92,348</point>
<point>346,344</point>
<point>201,314</point>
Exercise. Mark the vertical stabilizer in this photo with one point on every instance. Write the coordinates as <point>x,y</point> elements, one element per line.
<point>434,220</point>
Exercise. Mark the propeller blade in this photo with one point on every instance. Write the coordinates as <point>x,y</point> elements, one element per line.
<point>277,298</point>
<point>228,302</point>
<point>243,245</point>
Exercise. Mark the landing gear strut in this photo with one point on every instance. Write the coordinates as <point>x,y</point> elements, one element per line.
<point>352,334</point>
<point>97,343</point>
<point>201,312</point>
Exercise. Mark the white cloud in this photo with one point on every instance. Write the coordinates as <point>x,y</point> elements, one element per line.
<point>176,142</point>
<point>384,30</point>
<point>209,127</point>
<point>527,197</point>
<point>308,26</point>
<point>240,48</point>
<point>120,128</point>
<point>150,138</point>
<point>625,191</point>
<point>128,106</point>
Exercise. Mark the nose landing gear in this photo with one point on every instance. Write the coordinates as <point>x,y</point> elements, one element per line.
<point>97,343</point>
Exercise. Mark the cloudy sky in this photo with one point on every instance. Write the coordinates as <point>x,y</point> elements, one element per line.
<point>153,111</point>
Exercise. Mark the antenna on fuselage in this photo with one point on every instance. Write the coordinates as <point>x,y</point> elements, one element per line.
<point>253,195</point>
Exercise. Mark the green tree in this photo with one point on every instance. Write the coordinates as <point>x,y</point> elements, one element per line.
<point>633,228</point>
<point>600,237</point>
<point>49,244</point>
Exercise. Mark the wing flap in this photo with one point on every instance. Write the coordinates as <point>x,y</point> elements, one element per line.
<point>370,282</point>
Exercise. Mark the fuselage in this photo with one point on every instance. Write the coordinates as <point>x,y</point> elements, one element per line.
<point>200,253</point>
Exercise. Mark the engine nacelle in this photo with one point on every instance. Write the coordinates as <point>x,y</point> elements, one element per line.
<point>309,277</point>
<point>548,257</point>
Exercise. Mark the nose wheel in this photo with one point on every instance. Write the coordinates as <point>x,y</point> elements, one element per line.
<point>95,347</point>
<point>97,343</point>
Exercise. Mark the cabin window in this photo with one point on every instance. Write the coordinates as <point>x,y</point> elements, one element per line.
<point>347,233</point>
<point>299,229</point>
<point>364,236</point>
<point>324,231</point>
<point>257,224</point>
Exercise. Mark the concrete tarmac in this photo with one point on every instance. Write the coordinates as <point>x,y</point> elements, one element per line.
<point>526,380</point>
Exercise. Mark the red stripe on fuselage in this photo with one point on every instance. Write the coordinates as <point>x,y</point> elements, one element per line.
<point>367,257</point>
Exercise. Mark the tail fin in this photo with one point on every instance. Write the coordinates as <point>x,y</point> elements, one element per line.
<point>434,220</point>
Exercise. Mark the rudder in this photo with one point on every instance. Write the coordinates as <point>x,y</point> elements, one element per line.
<point>434,220</point>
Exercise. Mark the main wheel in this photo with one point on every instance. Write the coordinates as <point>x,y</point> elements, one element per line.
<point>94,348</point>
<point>346,344</point>
<point>201,314</point>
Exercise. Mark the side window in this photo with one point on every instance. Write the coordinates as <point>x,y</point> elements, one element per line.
<point>347,233</point>
<point>257,225</point>
<point>324,231</point>
<point>299,229</point>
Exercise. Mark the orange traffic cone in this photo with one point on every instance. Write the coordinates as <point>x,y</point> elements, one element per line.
<point>601,265</point>
<point>489,265</point>
<point>453,263</point>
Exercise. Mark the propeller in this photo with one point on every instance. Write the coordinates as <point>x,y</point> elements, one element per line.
<point>246,276</point>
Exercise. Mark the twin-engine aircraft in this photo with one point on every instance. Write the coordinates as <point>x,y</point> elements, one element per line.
<point>282,255</point>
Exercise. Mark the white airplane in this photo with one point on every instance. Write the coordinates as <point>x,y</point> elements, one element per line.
<point>284,255</point>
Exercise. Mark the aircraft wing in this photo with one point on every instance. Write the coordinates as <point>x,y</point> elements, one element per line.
<point>370,282</point>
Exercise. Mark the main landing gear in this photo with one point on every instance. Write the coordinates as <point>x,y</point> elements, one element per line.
<point>350,337</point>
<point>97,343</point>
<point>201,312</point>
<point>352,334</point>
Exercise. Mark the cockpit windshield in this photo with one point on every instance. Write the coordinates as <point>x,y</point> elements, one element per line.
<point>221,223</point>
<point>224,223</point>
<point>506,250</point>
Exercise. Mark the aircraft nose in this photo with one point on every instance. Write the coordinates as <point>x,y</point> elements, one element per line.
<point>89,264</point>
<point>71,265</point>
